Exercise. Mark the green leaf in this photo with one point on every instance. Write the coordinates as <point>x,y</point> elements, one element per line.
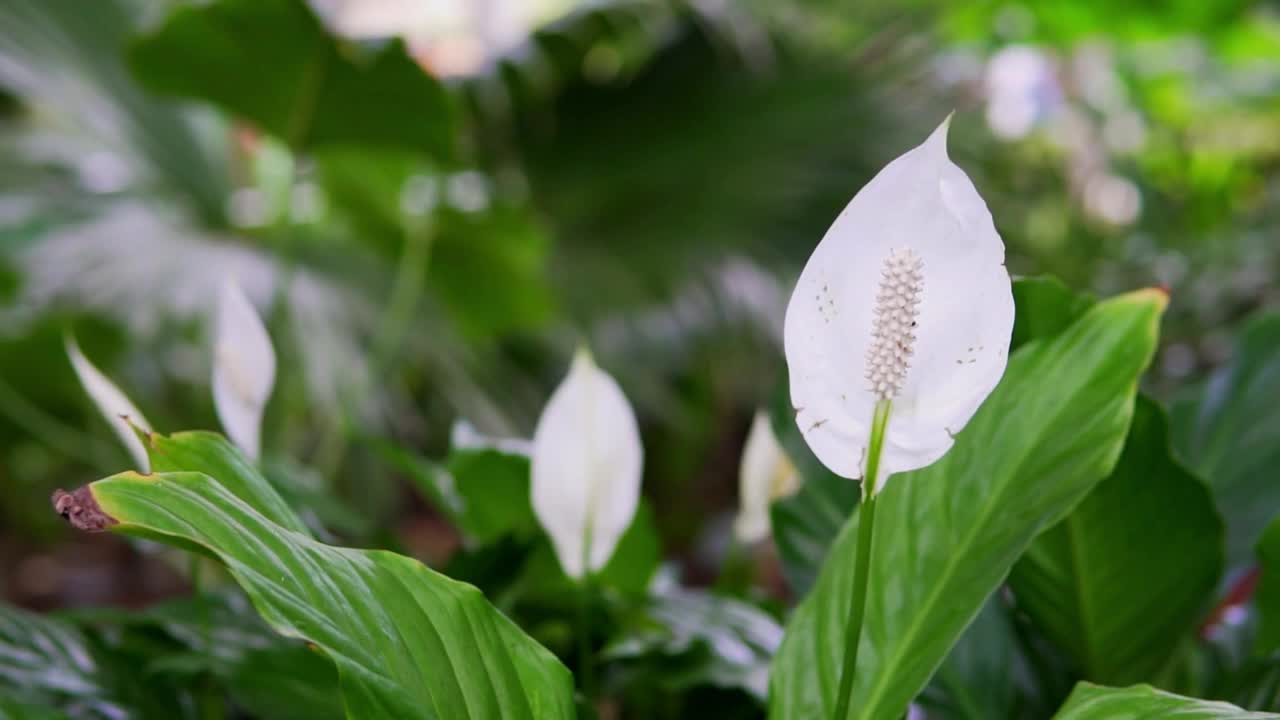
<point>210,453</point>
<point>220,635</point>
<point>273,63</point>
<point>285,683</point>
<point>949,533</point>
<point>707,639</point>
<point>490,269</point>
<point>484,492</point>
<point>636,557</point>
<point>1143,702</point>
<point>1045,307</point>
<point>977,680</point>
<point>488,265</point>
<point>1267,599</point>
<point>408,642</point>
<point>1115,584</point>
<point>1228,429</point>
<point>50,664</point>
<point>629,571</point>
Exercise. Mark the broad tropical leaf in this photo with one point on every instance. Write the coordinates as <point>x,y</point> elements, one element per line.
<point>1119,584</point>
<point>1143,702</point>
<point>977,680</point>
<point>306,88</point>
<point>408,642</point>
<point>1229,430</point>
<point>949,533</point>
<point>213,455</point>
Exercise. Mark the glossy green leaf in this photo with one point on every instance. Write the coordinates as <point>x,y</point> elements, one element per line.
<point>948,534</point>
<point>1143,702</point>
<point>213,455</point>
<point>1115,584</point>
<point>1229,430</point>
<point>408,642</point>
<point>306,88</point>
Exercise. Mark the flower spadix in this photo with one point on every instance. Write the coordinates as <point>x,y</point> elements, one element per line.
<point>585,467</point>
<point>244,368</point>
<point>115,406</point>
<point>766,474</point>
<point>905,303</point>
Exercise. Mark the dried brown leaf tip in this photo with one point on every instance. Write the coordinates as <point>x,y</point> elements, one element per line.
<point>81,510</point>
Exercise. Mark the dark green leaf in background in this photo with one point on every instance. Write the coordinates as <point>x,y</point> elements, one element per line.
<point>273,63</point>
<point>711,639</point>
<point>1125,577</point>
<point>949,533</point>
<point>978,678</point>
<point>48,662</point>
<point>1228,429</point>
<point>1045,307</point>
<point>1267,600</point>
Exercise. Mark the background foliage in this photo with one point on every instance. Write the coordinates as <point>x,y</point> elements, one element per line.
<point>434,221</point>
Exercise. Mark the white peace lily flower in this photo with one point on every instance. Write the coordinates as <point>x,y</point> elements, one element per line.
<point>766,475</point>
<point>906,301</point>
<point>114,405</point>
<point>585,467</point>
<point>244,368</point>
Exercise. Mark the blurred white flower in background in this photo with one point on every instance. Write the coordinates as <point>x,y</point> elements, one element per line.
<point>116,407</point>
<point>586,467</point>
<point>244,369</point>
<point>766,474</point>
<point>906,301</point>
<point>1021,89</point>
<point>452,37</point>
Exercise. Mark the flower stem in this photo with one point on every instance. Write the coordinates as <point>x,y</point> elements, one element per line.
<point>586,661</point>
<point>862,559</point>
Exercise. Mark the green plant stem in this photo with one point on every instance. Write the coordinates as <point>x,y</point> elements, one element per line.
<point>862,560</point>
<point>586,668</point>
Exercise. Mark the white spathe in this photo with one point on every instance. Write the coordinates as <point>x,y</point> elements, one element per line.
<point>114,405</point>
<point>766,474</point>
<point>585,466</point>
<point>244,368</point>
<point>920,213</point>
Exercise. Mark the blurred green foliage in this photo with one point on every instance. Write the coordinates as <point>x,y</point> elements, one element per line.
<point>645,176</point>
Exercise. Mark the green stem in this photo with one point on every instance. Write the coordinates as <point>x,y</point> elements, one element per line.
<point>585,660</point>
<point>862,560</point>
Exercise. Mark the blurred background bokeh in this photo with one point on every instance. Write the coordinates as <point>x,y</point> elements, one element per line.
<point>433,202</point>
